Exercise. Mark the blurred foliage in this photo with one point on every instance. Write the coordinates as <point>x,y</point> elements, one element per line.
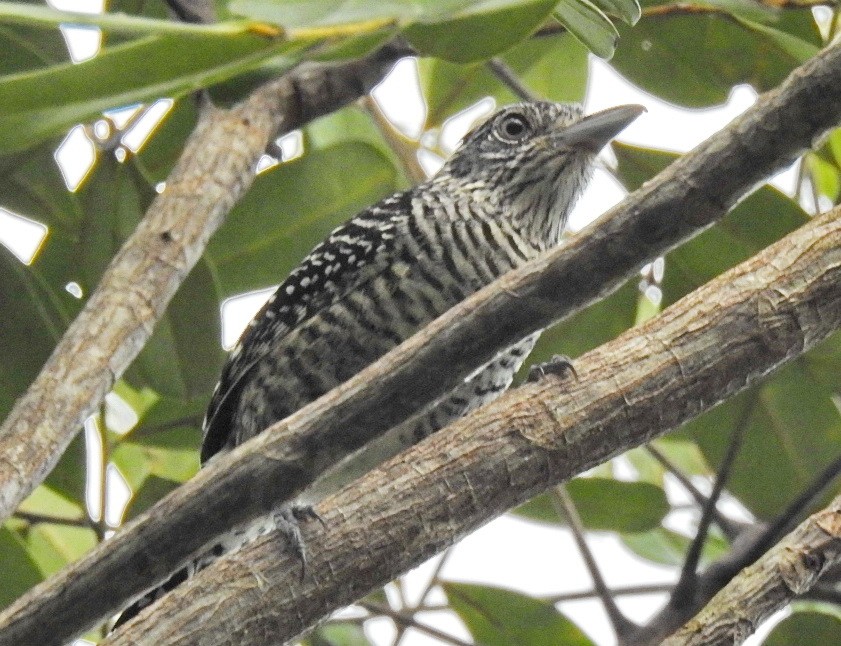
<point>691,55</point>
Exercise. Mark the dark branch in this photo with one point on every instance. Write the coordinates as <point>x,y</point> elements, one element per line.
<point>727,526</point>
<point>510,79</point>
<point>565,507</point>
<point>409,621</point>
<point>790,569</point>
<point>685,588</point>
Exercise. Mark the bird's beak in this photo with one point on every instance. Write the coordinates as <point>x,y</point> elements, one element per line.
<point>594,131</point>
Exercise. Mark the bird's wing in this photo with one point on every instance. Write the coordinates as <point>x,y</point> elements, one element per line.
<point>332,269</point>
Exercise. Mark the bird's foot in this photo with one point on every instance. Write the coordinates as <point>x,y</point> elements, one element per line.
<point>559,365</point>
<point>287,520</point>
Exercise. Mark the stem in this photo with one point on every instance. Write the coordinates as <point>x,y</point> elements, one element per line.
<point>409,621</point>
<point>35,518</point>
<point>105,456</point>
<point>727,526</point>
<point>510,79</point>
<point>688,576</point>
<point>404,148</point>
<point>565,506</point>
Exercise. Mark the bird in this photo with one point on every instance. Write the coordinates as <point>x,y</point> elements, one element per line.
<point>502,198</point>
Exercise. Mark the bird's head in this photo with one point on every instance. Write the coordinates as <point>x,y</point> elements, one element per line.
<point>534,159</point>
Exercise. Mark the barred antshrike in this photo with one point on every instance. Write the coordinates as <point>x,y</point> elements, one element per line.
<point>500,200</point>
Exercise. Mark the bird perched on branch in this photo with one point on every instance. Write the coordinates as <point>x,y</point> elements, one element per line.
<point>500,200</point>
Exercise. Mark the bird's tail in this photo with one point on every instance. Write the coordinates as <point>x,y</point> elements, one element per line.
<point>154,594</point>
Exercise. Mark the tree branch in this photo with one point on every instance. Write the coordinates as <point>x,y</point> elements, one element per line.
<point>408,620</point>
<point>728,527</point>
<point>705,348</point>
<point>215,169</point>
<point>750,546</point>
<point>687,583</point>
<point>280,462</point>
<point>790,569</point>
<point>509,78</point>
<point>565,507</point>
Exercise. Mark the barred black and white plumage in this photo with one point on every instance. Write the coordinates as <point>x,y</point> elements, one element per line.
<point>501,199</point>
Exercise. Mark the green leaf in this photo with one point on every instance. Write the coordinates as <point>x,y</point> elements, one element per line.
<point>806,629</point>
<point>588,24</point>
<point>49,501</point>
<point>150,492</point>
<point>42,103</point>
<point>627,10</point>
<point>86,229</point>
<point>458,30</point>
<point>793,431</point>
<point>758,221</point>
<point>161,150</point>
<point>183,357</point>
<point>449,88</point>
<point>26,48</point>
<point>825,175</point>
<point>499,617</point>
<point>352,125</point>
<point>681,452</point>
<point>33,321</point>
<point>292,207</point>
<point>605,504</point>
<point>338,635</point>
<point>484,29</point>
<point>171,455</point>
<point>661,54</point>
<point>54,546</point>
<point>20,571</point>
<point>666,547</point>
<point>746,9</point>
<point>761,219</point>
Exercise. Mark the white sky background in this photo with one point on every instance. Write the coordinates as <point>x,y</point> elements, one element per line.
<point>508,552</point>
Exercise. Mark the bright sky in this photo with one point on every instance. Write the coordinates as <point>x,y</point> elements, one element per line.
<point>507,552</point>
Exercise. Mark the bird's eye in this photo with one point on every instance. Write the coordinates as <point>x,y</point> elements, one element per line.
<point>513,126</point>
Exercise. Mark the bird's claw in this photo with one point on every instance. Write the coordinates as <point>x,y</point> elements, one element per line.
<point>287,520</point>
<point>559,365</point>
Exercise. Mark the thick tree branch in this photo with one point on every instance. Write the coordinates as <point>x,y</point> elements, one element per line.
<point>215,169</point>
<point>710,345</point>
<point>790,569</point>
<point>279,463</point>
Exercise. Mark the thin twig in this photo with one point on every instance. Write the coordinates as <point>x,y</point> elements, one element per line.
<point>104,457</point>
<point>510,79</point>
<point>565,506</point>
<point>409,621</point>
<point>727,526</point>
<point>689,574</point>
<point>435,578</point>
<point>404,148</point>
<point>34,519</point>
<point>430,585</point>
<point>620,591</point>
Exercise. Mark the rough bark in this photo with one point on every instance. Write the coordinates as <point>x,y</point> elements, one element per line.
<point>216,168</point>
<point>683,200</point>
<point>790,569</point>
<point>707,347</point>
